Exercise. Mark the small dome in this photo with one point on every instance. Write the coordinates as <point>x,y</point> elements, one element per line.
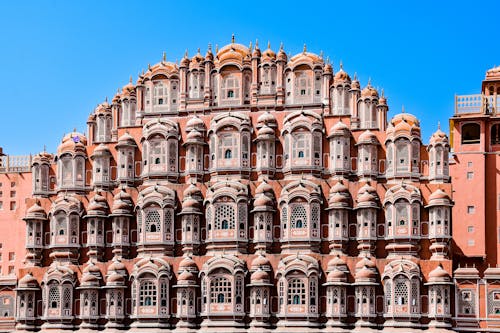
<point>260,262</point>
<point>367,137</point>
<point>115,278</point>
<point>341,76</point>
<point>101,150</point>
<point>367,194</point>
<point>266,118</point>
<point>259,276</point>
<point>282,55</point>
<point>190,204</point>
<point>264,187</point>
<point>92,269</point>
<point>493,73</point>
<point>36,212</point>
<point>194,136</point>
<point>102,108</point>
<point>365,261</point>
<point>265,131</point>
<point>185,60</point>
<point>126,140</point>
<point>116,265</point>
<point>122,203</point>
<point>340,128</point>
<point>186,276</point>
<point>439,137</point>
<point>365,274</point>
<point>72,142</point>
<point>89,279</point>
<point>336,276</point>
<point>192,191</point>
<point>197,59</point>
<point>369,91</point>
<point>268,54</point>
<point>439,273</point>
<point>28,281</point>
<point>263,200</point>
<point>328,69</point>
<point>195,122</point>
<point>209,56</point>
<point>336,261</point>
<point>339,187</point>
<point>129,88</point>
<point>187,263</point>
<point>97,206</point>
<point>439,194</point>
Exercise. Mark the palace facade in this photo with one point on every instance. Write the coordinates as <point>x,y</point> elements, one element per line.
<point>249,190</point>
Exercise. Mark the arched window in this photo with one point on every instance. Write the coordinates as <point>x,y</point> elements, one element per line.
<point>228,154</point>
<point>298,218</point>
<point>147,293</point>
<point>220,290</point>
<point>54,297</point>
<point>224,216</point>
<point>471,133</point>
<point>296,292</point>
<point>153,221</point>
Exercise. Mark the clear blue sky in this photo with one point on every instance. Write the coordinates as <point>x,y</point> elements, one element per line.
<point>59,59</point>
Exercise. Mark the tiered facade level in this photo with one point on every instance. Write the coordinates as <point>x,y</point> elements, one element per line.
<point>246,191</point>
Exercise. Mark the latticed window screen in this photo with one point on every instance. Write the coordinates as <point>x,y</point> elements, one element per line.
<point>152,221</point>
<point>147,293</point>
<point>168,220</point>
<point>298,218</point>
<point>239,290</point>
<point>388,293</point>
<point>67,299</point>
<point>242,216</point>
<point>494,302</point>
<point>315,214</point>
<point>163,292</point>
<point>401,292</point>
<point>312,292</point>
<point>414,292</point>
<point>224,216</point>
<point>220,290</point>
<point>284,216</point>
<point>296,292</point>
<point>54,297</point>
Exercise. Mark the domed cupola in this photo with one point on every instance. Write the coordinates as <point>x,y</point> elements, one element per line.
<point>263,216</point>
<point>71,156</point>
<point>439,150</point>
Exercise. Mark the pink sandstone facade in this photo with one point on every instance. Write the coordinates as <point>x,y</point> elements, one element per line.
<point>247,190</point>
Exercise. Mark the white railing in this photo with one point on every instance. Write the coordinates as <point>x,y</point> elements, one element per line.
<point>20,163</point>
<point>477,103</point>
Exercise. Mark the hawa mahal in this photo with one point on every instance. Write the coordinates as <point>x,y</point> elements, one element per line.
<point>246,190</point>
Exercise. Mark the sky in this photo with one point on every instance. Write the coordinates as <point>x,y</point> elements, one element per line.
<point>59,59</point>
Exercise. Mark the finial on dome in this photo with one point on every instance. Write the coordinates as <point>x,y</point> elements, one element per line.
<point>281,46</point>
<point>321,54</point>
<point>164,57</point>
<point>74,129</point>
<point>369,81</point>
<point>402,108</point>
<point>305,48</point>
<point>382,92</point>
<point>106,99</point>
<point>355,76</point>
<point>44,148</point>
<point>256,44</point>
<point>232,38</point>
<point>198,50</point>
<point>209,47</point>
<point>268,44</point>
<point>149,67</point>
<point>216,48</point>
<point>328,59</point>
<point>130,79</point>
<point>250,46</point>
<point>186,53</point>
<point>341,66</point>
